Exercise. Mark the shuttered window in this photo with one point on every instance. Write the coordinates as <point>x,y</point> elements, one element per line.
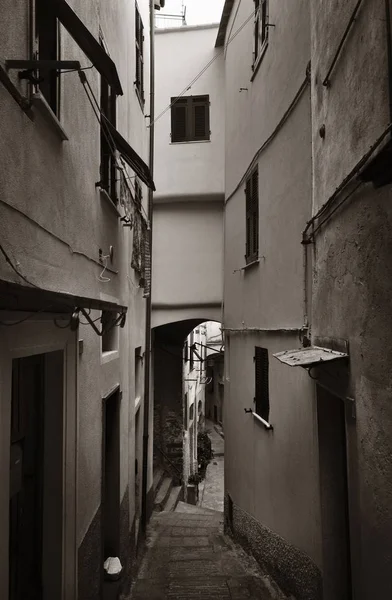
<point>108,162</point>
<point>252,216</point>
<point>262,405</point>
<point>261,29</point>
<point>48,48</point>
<point>190,119</point>
<point>139,47</point>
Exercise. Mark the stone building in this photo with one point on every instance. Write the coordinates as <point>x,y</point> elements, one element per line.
<point>74,181</point>
<point>349,241</point>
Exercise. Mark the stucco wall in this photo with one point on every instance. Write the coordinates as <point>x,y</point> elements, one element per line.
<point>352,288</point>
<point>270,475</point>
<point>190,168</point>
<point>53,220</point>
<point>187,256</point>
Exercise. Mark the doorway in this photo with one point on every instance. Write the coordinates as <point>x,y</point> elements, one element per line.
<point>111,475</point>
<point>334,493</point>
<point>36,478</point>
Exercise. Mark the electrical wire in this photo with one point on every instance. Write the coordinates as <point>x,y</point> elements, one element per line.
<point>109,138</point>
<point>33,314</point>
<point>207,66</point>
<point>14,268</point>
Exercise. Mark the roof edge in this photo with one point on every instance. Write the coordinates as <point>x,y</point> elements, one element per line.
<point>182,28</point>
<point>227,8</point>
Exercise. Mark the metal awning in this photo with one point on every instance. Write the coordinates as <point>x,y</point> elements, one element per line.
<point>129,155</point>
<point>17,297</point>
<point>308,357</point>
<point>86,42</point>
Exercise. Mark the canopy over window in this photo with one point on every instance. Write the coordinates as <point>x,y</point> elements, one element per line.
<point>308,357</point>
<point>129,154</point>
<point>86,42</point>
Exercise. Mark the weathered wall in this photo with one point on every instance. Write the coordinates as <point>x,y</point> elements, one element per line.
<point>53,221</point>
<point>352,286</point>
<point>270,475</point>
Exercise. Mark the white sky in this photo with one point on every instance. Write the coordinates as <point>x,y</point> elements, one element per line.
<point>197,11</point>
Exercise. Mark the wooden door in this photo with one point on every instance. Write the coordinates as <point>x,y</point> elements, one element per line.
<point>26,479</point>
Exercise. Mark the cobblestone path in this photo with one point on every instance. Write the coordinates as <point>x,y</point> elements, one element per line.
<point>189,558</point>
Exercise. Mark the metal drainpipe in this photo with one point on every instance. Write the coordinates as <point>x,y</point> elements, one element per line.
<point>147,354</point>
<point>389,52</point>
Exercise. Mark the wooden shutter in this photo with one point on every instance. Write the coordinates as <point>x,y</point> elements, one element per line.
<point>262,405</point>
<point>139,39</point>
<point>179,121</point>
<point>252,216</point>
<point>200,118</point>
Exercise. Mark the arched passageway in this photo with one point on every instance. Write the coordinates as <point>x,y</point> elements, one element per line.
<point>181,356</point>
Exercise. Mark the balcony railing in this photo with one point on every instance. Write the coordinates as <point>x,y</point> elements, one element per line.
<point>163,21</point>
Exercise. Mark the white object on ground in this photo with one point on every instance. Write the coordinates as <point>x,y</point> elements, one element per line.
<point>112,565</point>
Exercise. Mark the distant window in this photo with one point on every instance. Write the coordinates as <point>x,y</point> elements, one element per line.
<point>48,48</point>
<point>261,29</point>
<point>186,351</point>
<point>139,47</point>
<point>191,356</point>
<point>190,119</point>
<point>262,405</point>
<point>252,216</point>
<point>108,161</point>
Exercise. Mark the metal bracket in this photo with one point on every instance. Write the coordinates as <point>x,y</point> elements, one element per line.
<point>118,322</point>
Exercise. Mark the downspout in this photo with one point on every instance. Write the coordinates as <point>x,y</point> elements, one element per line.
<point>147,355</point>
<point>389,53</point>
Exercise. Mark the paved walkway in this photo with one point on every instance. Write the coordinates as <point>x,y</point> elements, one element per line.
<point>211,489</point>
<point>189,558</point>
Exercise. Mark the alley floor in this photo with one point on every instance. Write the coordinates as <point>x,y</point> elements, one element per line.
<point>188,557</point>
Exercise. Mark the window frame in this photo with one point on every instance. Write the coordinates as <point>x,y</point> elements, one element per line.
<point>190,103</point>
<point>139,57</point>
<point>261,399</point>
<point>50,87</point>
<point>260,33</point>
<point>252,217</point>
<point>108,168</point>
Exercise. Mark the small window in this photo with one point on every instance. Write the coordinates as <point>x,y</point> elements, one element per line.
<point>191,412</point>
<point>48,48</point>
<point>191,355</point>
<point>252,217</point>
<point>190,119</point>
<point>139,48</point>
<point>261,29</point>
<point>108,161</point>
<point>186,351</point>
<point>262,406</point>
<point>110,331</point>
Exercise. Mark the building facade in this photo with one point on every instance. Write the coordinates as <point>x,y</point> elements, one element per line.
<point>74,95</point>
<point>349,238</point>
<point>187,278</point>
<point>271,467</point>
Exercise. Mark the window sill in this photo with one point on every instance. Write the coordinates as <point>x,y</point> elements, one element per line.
<point>262,421</point>
<point>113,206</point>
<point>256,65</point>
<point>109,355</point>
<point>43,107</point>
<point>191,142</point>
<point>249,265</point>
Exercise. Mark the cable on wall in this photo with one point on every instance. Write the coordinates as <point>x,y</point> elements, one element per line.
<point>188,87</point>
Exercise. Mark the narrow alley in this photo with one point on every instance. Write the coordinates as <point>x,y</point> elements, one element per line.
<point>188,555</point>
<point>195,299</point>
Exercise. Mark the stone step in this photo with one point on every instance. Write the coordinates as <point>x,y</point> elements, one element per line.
<point>196,510</point>
<point>163,493</point>
<point>159,475</point>
<point>173,499</point>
